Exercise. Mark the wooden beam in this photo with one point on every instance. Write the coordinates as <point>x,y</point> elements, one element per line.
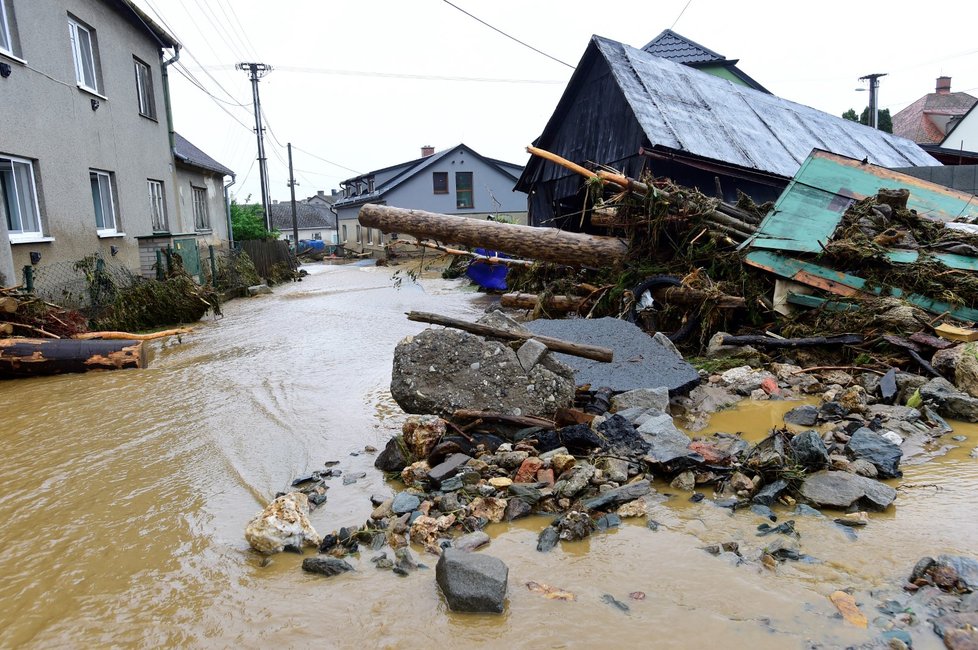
<point>594,352</point>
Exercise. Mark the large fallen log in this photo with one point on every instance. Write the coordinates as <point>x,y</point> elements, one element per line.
<point>36,357</point>
<point>594,352</point>
<point>546,244</point>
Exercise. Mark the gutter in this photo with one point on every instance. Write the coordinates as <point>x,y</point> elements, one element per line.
<point>166,91</point>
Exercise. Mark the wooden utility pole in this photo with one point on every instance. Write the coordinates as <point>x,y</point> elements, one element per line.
<point>255,72</point>
<point>295,218</point>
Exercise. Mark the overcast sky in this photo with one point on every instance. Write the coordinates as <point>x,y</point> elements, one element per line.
<point>357,86</point>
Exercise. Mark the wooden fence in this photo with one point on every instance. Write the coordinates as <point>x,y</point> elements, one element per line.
<point>266,254</point>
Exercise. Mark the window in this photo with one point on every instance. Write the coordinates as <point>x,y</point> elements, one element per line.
<point>344,232</point>
<point>318,236</point>
<point>439,182</point>
<point>144,89</point>
<point>157,205</point>
<point>104,203</point>
<point>6,43</point>
<point>83,52</point>
<point>202,220</point>
<point>370,235</point>
<point>359,234</point>
<point>18,197</point>
<point>463,190</point>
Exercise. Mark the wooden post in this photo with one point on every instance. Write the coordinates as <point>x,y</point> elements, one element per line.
<point>547,244</point>
<point>35,357</point>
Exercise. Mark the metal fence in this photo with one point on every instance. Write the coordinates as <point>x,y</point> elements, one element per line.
<point>89,283</point>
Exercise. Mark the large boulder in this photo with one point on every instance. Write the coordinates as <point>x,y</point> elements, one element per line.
<point>441,371</point>
<point>284,522</point>
<point>842,489</point>
<point>472,582</point>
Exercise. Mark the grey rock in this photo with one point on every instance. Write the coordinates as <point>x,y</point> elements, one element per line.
<point>259,290</point>
<point>888,386</point>
<point>809,451</point>
<point>667,444</point>
<point>863,467</point>
<point>471,541</point>
<point>393,458</point>
<point>643,398</point>
<point>768,495</point>
<point>575,525</point>
<point>617,496</point>
<point>472,582</point>
<point>842,489</point>
<point>500,320</point>
<point>448,468</point>
<point>547,539</point>
<point>441,371</point>
<point>451,484</point>
<point>949,401</point>
<point>803,416</point>
<point>664,341</point>
<point>764,511</point>
<point>405,502</point>
<point>684,481</point>
<point>525,492</point>
<point>580,476</point>
<point>966,567</point>
<point>803,510</point>
<point>639,360</point>
<point>449,503</point>
<point>327,566</point>
<point>530,354</point>
<point>516,509</point>
<point>868,445</point>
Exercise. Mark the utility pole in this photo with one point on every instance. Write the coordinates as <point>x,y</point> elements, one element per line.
<point>255,72</point>
<point>874,84</point>
<point>295,219</point>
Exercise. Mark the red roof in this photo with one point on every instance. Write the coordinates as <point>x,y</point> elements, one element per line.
<point>915,121</point>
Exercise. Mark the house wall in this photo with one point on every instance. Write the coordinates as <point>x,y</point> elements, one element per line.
<point>187,179</point>
<point>48,119</point>
<point>964,136</point>
<point>326,234</point>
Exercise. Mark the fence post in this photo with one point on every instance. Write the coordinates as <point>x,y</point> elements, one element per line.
<point>29,278</point>
<point>169,261</point>
<point>159,264</point>
<point>210,253</point>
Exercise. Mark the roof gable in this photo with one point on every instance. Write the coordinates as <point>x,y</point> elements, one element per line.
<point>678,48</point>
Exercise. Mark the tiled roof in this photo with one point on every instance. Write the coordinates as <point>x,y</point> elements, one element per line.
<point>914,123</point>
<point>307,215</point>
<point>672,46</point>
<point>187,152</point>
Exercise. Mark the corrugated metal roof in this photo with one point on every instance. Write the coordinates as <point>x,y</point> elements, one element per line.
<point>687,110</point>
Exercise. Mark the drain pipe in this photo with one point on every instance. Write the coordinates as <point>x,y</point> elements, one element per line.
<point>227,208</point>
<point>336,214</point>
<point>166,89</point>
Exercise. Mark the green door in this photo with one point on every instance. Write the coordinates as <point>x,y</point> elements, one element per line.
<point>190,256</point>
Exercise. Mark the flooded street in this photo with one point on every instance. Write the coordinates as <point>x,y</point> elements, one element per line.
<point>126,495</point>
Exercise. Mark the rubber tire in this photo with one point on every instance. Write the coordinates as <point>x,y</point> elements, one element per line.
<point>654,282</point>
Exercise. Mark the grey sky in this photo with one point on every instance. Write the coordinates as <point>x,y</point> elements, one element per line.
<point>346,84</point>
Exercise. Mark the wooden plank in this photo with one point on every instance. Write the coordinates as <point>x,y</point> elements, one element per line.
<point>804,300</point>
<point>951,260</point>
<point>952,333</point>
<point>807,273</point>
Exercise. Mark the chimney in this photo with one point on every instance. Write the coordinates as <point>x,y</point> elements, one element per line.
<point>944,85</point>
<point>333,192</point>
<point>427,150</point>
<point>320,193</point>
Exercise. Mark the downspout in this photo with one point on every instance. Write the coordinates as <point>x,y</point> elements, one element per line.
<point>336,214</point>
<point>227,207</point>
<point>164,65</point>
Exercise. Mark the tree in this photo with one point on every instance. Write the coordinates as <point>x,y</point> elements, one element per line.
<point>248,221</point>
<point>884,122</point>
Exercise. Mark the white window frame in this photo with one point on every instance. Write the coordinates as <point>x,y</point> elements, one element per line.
<point>78,33</point>
<point>6,38</point>
<point>202,217</point>
<point>157,205</point>
<point>145,99</point>
<point>18,200</point>
<point>103,183</point>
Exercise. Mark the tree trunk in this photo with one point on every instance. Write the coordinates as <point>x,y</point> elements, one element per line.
<point>547,244</point>
<point>808,342</point>
<point>594,352</point>
<point>667,295</point>
<point>35,357</point>
<point>559,304</point>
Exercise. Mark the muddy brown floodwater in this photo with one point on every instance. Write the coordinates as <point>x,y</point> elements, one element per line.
<point>126,494</point>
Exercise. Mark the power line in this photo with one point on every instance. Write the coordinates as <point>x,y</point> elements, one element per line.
<point>241,32</point>
<point>308,153</point>
<point>513,38</point>
<point>685,7</point>
<point>215,99</point>
<point>400,75</point>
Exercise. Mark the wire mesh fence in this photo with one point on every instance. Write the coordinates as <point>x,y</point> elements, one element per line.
<point>88,284</point>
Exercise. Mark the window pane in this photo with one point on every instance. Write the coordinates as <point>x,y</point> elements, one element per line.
<point>8,196</point>
<point>97,202</point>
<point>439,181</point>
<point>463,189</point>
<point>25,197</point>
<point>4,30</point>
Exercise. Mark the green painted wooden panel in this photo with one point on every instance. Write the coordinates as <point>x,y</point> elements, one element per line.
<point>950,260</point>
<point>812,205</point>
<point>787,267</point>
